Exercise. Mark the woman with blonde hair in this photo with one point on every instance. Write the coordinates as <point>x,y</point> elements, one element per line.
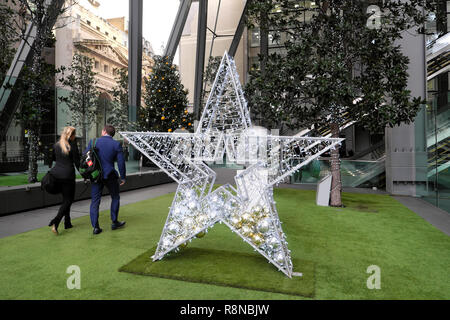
<point>66,155</point>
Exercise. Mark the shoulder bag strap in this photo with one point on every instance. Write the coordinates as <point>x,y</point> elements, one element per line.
<point>96,155</point>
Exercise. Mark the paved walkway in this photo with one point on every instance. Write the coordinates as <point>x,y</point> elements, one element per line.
<point>34,219</point>
<point>434,215</point>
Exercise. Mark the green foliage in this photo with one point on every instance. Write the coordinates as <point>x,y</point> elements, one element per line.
<point>336,66</point>
<point>8,37</point>
<point>33,107</point>
<point>38,76</point>
<point>341,63</point>
<point>165,99</point>
<point>274,97</point>
<point>118,112</point>
<point>83,97</point>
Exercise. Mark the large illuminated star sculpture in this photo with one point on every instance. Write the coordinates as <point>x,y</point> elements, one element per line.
<point>249,209</point>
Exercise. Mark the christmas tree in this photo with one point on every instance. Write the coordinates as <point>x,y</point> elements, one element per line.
<point>165,100</point>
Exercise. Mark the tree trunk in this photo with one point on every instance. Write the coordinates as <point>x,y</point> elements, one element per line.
<point>264,41</point>
<point>336,184</point>
<point>32,156</point>
<point>264,53</point>
<point>35,124</point>
<point>85,136</point>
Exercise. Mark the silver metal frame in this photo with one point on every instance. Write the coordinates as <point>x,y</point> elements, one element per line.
<point>249,210</point>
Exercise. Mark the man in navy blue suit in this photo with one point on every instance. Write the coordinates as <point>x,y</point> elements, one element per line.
<point>109,151</point>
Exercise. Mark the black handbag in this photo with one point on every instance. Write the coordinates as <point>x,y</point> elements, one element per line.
<point>50,184</point>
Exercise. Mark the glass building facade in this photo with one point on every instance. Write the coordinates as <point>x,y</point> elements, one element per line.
<point>432,125</point>
<point>437,113</point>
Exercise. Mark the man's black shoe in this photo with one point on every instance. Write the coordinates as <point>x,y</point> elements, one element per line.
<point>97,231</point>
<point>117,225</point>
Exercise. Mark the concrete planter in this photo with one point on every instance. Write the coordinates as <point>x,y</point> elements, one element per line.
<point>28,197</point>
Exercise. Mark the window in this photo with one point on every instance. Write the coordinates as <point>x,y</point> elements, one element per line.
<point>88,22</point>
<point>98,28</point>
<point>115,39</point>
<point>254,40</point>
<point>105,68</point>
<point>97,65</point>
<point>107,33</point>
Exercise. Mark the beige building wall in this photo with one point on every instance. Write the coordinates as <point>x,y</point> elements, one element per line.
<point>103,40</point>
<point>228,19</point>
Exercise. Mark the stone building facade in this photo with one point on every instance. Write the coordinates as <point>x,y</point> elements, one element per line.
<point>103,40</point>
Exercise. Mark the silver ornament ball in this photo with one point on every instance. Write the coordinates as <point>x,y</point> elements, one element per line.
<point>173,228</point>
<point>264,226</point>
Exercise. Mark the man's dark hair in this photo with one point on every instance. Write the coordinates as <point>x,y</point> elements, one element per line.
<point>110,130</point>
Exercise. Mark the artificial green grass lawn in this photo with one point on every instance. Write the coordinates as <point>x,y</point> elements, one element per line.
<point>16,180</point>
<point>20,179</point>
<point>218,267</point>
<point>414,256</point>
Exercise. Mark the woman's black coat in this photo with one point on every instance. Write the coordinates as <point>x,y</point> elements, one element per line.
<point>64,167</point>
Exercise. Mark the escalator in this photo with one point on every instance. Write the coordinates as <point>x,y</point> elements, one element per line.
<point>438,175</point>
<point>439,157</point>
<point>438,143</point>
<point>438,57</point>
<point>354,172</point>
<point>363,173</point>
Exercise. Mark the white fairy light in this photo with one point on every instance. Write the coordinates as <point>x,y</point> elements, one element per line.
<point>249,210</point>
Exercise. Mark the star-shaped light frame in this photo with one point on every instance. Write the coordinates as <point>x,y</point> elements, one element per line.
<point>249,209</point>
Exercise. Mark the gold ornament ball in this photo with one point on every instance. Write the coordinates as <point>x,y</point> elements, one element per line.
<point>257,239</point>
<point>236,222</point>
<point>201,234</point>
<point>183,245</point>
<point>247,218</point>
<point>255,217</point>
<point>180,239</point>
<point>246,231</point>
